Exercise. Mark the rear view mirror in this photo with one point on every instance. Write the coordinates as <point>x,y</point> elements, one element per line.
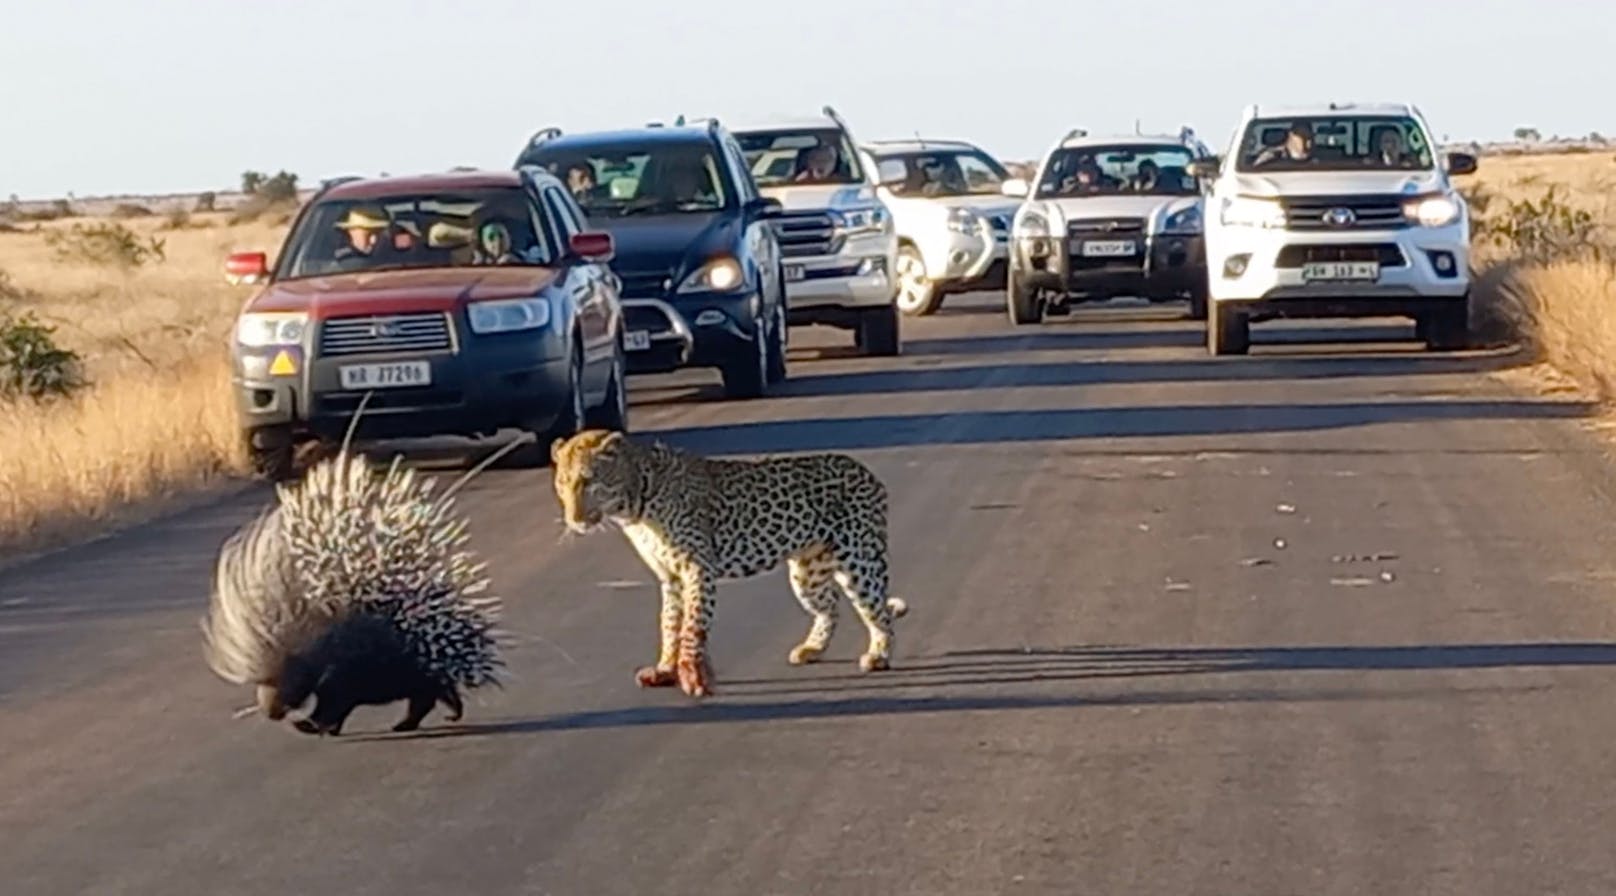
<point>766,207</point>
<point>593,246</point>
<point>1205,168</point>
<point>1461,163</point>
<point>1014,187</point>
<point>246,268</point>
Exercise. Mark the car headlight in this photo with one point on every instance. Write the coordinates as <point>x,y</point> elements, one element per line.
<point>1032,227</point>
<point>508,315</point>
<point>963,220</point>
<point>1432,211</point>
<point>719,275</point>
<point>1183,221</point>
<point>854,220</point>
<point>1249,211</point>
<point>262,329</point>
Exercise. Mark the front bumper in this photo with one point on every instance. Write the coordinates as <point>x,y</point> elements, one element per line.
<point>970,261</point>
<point>695,330</point>
<point>859,275</point>
<point>501,381</point>
<point>1163,267</point>
<point>1414,268</point>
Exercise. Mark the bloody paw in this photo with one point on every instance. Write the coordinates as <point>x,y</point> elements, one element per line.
<point>695,678</point>
<point>655,677</point>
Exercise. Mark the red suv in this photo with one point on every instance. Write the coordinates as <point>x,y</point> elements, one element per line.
<point>462,304</point>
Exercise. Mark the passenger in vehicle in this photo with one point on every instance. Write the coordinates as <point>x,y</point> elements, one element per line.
<point>364,228</point>
<point>581,181</point>
<point>688,182</point>
<point>1298,146</point>
<point>1389,150</point>
<point>1148,177</point>
<point>818,164</point>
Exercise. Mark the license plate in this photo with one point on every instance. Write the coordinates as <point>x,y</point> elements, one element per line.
<point>1108,248</point>
<point>1328,271</point>
<point>794,272</point>
<point>637,340</point>
<point>386,376</point>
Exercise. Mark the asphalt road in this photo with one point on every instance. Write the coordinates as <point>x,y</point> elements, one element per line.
<point>1322,620</point>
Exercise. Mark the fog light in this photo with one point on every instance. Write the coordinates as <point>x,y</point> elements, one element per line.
<point>710,318</point>
<point>1444,263</point>
<point>1235,265</point>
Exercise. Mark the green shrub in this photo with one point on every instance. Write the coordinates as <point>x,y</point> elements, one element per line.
<point>1543,230</point>
<point>105,244</point>
<point>32,365</point>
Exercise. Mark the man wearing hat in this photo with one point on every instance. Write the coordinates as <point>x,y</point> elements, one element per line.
<point>365,226</point>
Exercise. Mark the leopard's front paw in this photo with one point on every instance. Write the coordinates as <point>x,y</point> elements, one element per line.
<point>873,662</point>
<point>695,677</point>
<point>803,654</point>
<point>655,677</point>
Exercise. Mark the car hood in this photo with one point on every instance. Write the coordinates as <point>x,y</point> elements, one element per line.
<point>1079,208</point>
<point>796,197</point>
<point>986,206</point>
<point>399,292</point>
<point>1336,183</point>
<point>665,243</point>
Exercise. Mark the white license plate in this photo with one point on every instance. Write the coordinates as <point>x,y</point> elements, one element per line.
<point>1328,271</point>
<point>637,340</point>
<point>1108,248</point>
<point>386,376</point>
<point>794,272</point>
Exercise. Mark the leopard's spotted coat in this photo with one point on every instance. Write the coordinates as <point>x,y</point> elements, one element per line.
<point>696,520</point>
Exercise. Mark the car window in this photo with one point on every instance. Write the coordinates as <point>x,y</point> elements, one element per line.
<point>1119,169</point>
<point>653,177</point>
<point>418,230</point>
<point>943,173</point>
<point>1334,143</point>
<point>801,156</point>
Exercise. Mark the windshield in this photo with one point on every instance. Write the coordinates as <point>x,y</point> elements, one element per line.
<point>1334,143</point>
<point>964,172</point>
<point>649,178</point>
<point>1142,169</point>
<point>817,156</point>
<point>407,231</point>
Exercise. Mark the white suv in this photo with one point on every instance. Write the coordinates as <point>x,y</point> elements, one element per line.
<point>953,220</point>
<point>1108,216</point>
<point>1335,211</point>
<point>836,236</point>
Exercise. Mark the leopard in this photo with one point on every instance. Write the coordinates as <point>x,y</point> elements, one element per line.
<point>697,520</point>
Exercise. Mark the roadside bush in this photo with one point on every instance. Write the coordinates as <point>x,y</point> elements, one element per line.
<point>205,202</point>
<point>105,244</point>
<point>1545,230</point>
<point>32,365</point>
<point>178,219</point>
<point>126,210</point>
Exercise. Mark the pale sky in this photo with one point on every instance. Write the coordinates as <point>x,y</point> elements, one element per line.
<point>108,96</point>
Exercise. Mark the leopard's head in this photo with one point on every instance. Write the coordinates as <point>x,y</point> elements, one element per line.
<point>594,477</point>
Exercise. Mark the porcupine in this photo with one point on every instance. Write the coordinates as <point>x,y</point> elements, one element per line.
<point>356,590</point>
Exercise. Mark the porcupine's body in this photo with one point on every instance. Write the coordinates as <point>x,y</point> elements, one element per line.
<point>354,589</point>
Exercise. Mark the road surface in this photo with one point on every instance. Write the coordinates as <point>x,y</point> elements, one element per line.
<point>1322,620</point>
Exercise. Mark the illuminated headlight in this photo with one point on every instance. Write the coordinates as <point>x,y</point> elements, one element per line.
<point>258,330</point>
<point>507,315</point>
<point>1183,221</point>
<point>1249,211</point>
<point>1432,211</point>
<point>718,275</point>
<point>853,220</point>
<point>963,220</point>
<point>1032,227</point>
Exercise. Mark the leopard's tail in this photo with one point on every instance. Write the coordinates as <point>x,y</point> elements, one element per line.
<point>899,606</point>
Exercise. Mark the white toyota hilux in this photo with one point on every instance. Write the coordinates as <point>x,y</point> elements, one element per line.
<point>836,236</point>
<point>1336,211</point>
<point>952,217</point>
<point>1108,217</point>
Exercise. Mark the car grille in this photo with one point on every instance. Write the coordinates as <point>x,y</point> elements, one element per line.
<point>805,233</point>
<point>386,333</point>
<point>1367,212</point>
<point>1294,255</point>
<point>1099,227</point>
<point>646,317</point>
<point>645,285</point>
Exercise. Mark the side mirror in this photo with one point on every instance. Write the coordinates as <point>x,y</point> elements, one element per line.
<point>246,268</point>
<point>1205,168</point>
<point>1015,187</point>
<point>1461,163</point>
<point>766,207</point>
<point>593,246</point>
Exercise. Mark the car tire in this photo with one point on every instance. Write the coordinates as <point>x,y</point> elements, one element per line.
<point>536,453</point>
<point>1198,302</point>
<point>748,376</point>
<point>1022,303</point>
<point>1448,329</point>
<point>1228,332</point>
<point>917,295</point>
<point>612,412</point>
<point>274,464</point>
<point>777,346</point>
<point>878,331</point>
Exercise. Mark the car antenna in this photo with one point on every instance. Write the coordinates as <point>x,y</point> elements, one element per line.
<point>921,140</point>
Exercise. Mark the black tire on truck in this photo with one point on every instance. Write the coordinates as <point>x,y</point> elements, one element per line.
<point>1228,332</point>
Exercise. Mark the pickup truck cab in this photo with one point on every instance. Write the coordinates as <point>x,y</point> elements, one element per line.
<point>1336,210</point>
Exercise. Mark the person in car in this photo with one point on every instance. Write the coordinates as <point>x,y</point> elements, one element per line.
<point>364,227</point>
<point>818,165</point>
<point>1148,177</point>
<point>581,181</point>
<point>1298,146</point>
<point>1389,150</point>
<point>494,244</point>
<point>688,182</point>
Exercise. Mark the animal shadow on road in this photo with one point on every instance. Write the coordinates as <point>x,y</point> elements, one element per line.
<point>1032,679</point>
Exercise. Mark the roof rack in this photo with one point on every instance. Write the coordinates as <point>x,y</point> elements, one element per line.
<point>830,113</point>
<point>540,136</point>
<point>330,182</point>
<point>1074,133</point>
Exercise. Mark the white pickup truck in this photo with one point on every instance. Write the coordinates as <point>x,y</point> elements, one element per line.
<point>952,217</point>
<point>1336,211</point>
<point>836,235</point>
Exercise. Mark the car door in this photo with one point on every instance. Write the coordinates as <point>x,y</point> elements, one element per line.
<point>760,240</point>
<point>586,283</point>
